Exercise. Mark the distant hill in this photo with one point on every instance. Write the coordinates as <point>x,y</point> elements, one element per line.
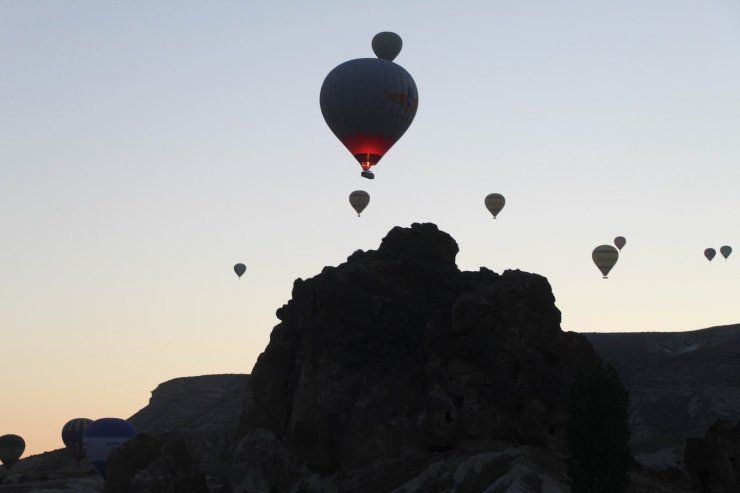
<point>680,383</point>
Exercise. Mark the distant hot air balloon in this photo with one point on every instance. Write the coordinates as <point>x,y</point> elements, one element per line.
<point>102,436</point>
<point>494,203</point>
<point>709,253</point>
<point>387,45</point>
<point>369,103</point>
<point>72,434</point>
<point>240,269</point>
<point>11,449</point>
<point>359,200</point>
<point>619,242</point>
<point>605,256</point>
<point>725,251</point>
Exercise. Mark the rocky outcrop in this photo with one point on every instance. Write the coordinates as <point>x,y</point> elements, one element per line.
<point>193,405</point>
<point>713,462</point>
<point>154,464</point>
<point>190,423</point>
<point>680,383</point>
<point>396,361</point>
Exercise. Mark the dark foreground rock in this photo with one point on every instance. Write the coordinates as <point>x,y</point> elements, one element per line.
<point>396,363</point>
<point>713,462</point>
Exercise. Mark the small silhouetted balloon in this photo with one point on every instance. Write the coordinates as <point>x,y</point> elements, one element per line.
<point>726,250</point>
<point>494,203</point>
<point>72,434</point>
<point>11,449</point>
<point>387,45</point>
<point>359,200</point>
<point>605,256</point>
<point>102,437</point>
<point>709,253</point>
<point>240,269</point>
<point>619,242</point>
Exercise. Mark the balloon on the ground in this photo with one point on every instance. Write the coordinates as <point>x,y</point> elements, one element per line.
<point>709,253</point>
<point>102,437</point>
<point>240,269</point>
<point>368,104</point>
<point>605,257</point>
<point>494,203</point>
<point>11,449</point>
<point>726,250</point>
<point>72,434</point>
<point>359,200</point>
<point>619,242</point>
<point>387,45</point>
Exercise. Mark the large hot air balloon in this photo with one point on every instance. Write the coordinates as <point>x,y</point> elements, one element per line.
<point>72,434</point>
<point>494,203</point>
<point>240,269</point>
<point>11,449</point>
<point>369,103</point>
<point>605,256</point>
<point>619,242</point>
<point>102,436</point>
<point>726,250</point>
<point>709,253</point>
<point>359,200</point>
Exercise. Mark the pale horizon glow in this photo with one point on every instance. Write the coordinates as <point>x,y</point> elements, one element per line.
<point>147,148</point>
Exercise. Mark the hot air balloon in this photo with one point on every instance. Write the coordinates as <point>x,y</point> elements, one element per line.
<point>619,242</point>
<point>369,103</point>
<point>726,250</point>
<point>11,449</point>
<point>709,253</point>
<point>359,200</point>
<point>605,256</point>
<point>387,45</point>
<point>72,434</point>
<point>494,203</point>
<point>240,269</point>
<point>102,436</point>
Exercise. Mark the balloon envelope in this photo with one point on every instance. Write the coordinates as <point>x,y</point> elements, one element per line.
<point>11,449</point>
<point>72,434</point>
<point>359,200</point>
<point>619,242</point>
<point>240,269</point>
<point>494,203</point>
<point>709,253</point>
<point>102,437</point>
<point>387,45</point>
<point>368,104</point>
<point>725,251</point>
<point>605,256</point>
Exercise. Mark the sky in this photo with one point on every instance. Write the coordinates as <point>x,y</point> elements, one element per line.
<point>147,147</point>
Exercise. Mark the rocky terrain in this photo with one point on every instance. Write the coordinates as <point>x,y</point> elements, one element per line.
<point>203,410</point>
<point>397,372</point>
<point>680,383</point>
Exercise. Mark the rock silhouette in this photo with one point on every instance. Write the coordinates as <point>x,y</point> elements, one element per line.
<point>384,364</point>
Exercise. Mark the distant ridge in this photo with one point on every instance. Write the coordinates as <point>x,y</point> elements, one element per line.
<point>680,383</point>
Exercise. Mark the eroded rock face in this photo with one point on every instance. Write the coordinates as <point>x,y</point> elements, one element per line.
<point>713,462</point>
<point>154,464</point>
<point>189,422</point>
<point>680,383</point>
<point>387,361</point>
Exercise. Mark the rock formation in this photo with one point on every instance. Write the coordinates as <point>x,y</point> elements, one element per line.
<point>396,361</point>
<point>186,436</point>
<point>680,383</point>
<point>713,462</point>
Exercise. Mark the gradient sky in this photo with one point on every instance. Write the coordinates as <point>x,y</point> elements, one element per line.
<point>146,147</point>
